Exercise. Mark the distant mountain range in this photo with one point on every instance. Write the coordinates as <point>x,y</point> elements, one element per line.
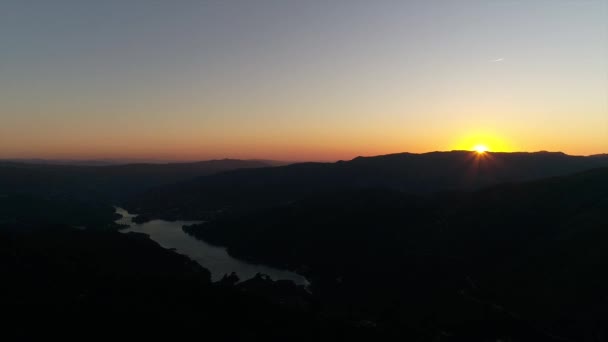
<point>406,172</point>
<point>83,195</point>
<point>127,161</point>
<point>109,182</point>
<point>199,189</point>
<point>442,246</point>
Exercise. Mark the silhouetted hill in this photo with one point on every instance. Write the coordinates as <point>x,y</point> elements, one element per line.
<point>407,172</point>
<point>522,261</point>
<point>110,181</point>
<point>443,246</point>
<point>32,194</point>
<point>24,211</point>
<point>63,282</point>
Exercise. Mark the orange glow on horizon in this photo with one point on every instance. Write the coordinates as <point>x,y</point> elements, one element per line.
<point>292,146</point>
<point>480,142</point>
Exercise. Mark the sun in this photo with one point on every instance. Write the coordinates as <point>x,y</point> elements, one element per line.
<point>481,149</point>
<point>482,142</point>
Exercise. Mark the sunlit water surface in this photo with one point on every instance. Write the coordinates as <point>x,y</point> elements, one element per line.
<point>214,258</point>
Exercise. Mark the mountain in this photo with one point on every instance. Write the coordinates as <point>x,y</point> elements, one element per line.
<point>407,172</point>
<point>34,194</point>
<point>515,261</point>
<point>114,284</point>
<point>443,246</point>
<point>113,181</point>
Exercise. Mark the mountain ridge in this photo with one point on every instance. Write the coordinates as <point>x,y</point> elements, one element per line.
<point>407,172</point>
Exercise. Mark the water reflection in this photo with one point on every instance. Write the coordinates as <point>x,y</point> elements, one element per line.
<point>215,259</point>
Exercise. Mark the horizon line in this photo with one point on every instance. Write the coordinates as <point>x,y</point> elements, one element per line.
<point>144,160</point>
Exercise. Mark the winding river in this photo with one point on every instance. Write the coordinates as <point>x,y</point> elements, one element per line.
<point>215,259</point>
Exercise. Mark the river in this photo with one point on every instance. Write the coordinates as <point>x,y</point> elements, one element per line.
<point>215,259</point>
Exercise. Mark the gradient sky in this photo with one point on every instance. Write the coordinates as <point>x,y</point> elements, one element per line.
<point>300,80</point>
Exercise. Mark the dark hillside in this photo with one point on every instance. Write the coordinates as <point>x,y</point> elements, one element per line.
<point>410,173</point>
<point>530,250</point>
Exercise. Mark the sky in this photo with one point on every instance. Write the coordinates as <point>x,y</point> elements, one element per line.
<point>300,80</point>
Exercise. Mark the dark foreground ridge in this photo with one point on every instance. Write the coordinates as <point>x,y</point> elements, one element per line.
<point>74,282</point>
<point>517,256</point>
<point>449,246</point>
